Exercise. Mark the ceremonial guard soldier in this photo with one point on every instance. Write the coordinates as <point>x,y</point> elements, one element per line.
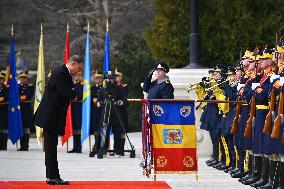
<point>118,129</point>
<point>160,88</point>
<point>4,95</point>
<point>96,111</point>
<point>76,108</point>
<point>26,93</point>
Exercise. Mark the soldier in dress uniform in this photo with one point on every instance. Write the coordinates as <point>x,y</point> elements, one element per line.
<point>4,95</point>
<point>26,93</point>
<point>118,129</point>
<point>161,87</point>
<point>96,111</point>
<point>76,108</point>
<point>211,118</point>
<point>242,75</point>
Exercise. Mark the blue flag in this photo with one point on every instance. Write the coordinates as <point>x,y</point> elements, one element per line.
<point>15,129</point>
<point>107,55</point>
<point>86,112</point>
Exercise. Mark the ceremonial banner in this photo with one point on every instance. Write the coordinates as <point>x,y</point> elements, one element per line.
<point>174,137</point>
<point>86,107</point>
<point>15,130</point>
<point>40,85</point>
<point>68,125</point>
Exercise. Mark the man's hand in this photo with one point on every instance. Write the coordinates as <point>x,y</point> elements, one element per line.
<point>151,72</point>
<point>119,102</point>
<point>99,104</point>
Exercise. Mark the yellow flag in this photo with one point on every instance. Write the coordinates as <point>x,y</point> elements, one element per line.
<point>40,85</point>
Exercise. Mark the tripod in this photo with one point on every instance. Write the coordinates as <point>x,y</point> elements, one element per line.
<point>110,104</point>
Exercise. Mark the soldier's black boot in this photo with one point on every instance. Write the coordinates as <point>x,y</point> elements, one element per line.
<point>96,146</point>
<point>240,173</point>
<point>4,141</point>
<point>74,144</point>
<point>281,176</point>
<point>250,169</point>
<point>256,171</point>
<point>122,146</point>
<point>273,176</point>
<point>264,174</point>
<point>79,145</point>
<point>24,142</point>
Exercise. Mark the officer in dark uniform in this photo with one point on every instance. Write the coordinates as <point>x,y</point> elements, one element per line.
<point>96,111</point>
<point>120,130</point>
<point>110,99</point>
<point>4,95</point>
<point>26,93</point>
<point>76,108</point>
<point>161,88</point>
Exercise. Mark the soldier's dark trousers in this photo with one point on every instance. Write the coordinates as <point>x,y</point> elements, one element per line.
<point>231,149</point>
<point>118,145</point>
<point>50,147</point>
<point>242,156</point>
<point>24,142</point>
<point>215,145</point>
<point>77,147</point>
<point>3,141</point>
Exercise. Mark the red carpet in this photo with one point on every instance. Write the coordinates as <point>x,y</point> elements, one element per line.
<point>86,185</point>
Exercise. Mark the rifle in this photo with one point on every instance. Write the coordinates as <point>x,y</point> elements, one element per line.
<point>267,125</point>
<point>277,122</point>
<point>248,129</point>
<point>234,129</point>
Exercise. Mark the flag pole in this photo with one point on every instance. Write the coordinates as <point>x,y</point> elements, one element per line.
<point>89,134</point>
<point>12,34</point>
<point>67,29</point>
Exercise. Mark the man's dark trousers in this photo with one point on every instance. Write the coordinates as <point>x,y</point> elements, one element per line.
<point>50,148</point>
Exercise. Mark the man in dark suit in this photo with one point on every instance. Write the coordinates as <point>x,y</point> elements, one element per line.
<point>51,113</point>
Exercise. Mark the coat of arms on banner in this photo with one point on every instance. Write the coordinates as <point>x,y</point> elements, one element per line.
<point>172,136</point>
<point>185,111</point>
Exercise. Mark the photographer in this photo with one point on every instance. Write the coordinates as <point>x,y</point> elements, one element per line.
<point>111,99</point>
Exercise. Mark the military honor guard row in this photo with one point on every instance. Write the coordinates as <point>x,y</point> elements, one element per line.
<point>247,134</point>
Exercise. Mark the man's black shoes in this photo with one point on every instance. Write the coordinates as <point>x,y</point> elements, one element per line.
<point>57,181</point>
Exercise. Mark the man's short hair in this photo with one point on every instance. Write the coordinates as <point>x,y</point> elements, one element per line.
<point>76,58</point>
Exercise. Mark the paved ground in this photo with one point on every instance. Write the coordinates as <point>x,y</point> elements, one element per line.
<point>16,165</point>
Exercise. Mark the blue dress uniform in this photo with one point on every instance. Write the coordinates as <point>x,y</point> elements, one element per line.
<point>210,122</point>
<point>95,119</point>
<point>231,93</point>
<point>76,108</point>
<point>4,95</point>
<point>26,93</point>
<point>159,89</point>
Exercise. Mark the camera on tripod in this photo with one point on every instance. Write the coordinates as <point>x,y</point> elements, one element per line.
<point>110,99</point>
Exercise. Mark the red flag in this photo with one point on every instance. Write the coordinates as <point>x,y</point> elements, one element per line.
<point>68,126</point>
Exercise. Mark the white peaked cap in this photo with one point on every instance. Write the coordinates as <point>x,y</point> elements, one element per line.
<point>281,81</point>
<point>273,77</point>
<point>254,85</point>
<point>240,86</point>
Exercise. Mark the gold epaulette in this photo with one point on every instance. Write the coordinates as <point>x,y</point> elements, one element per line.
<point>124,85</point>
<point>30,85</point>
